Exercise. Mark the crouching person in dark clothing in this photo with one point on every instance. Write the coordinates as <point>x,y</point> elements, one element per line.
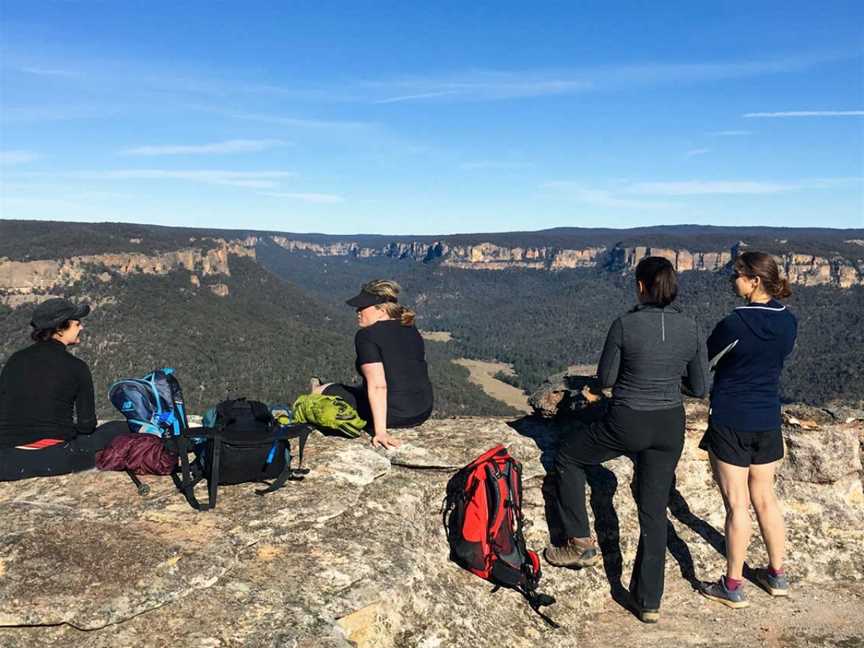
<point>650,353</point>
<point>40,388</point>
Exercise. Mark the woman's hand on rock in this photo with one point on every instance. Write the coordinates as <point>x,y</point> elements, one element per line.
<point>384,440</point>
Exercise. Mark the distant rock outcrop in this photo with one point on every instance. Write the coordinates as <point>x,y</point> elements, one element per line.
<point>356,555</point>
<point>807,270</point>
<point>24,282</point>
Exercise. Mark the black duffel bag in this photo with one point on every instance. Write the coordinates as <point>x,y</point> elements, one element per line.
<point>245,445</point>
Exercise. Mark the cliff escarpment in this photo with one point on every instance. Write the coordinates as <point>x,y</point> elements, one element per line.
<point>803,269</point>
<point>30,281</point>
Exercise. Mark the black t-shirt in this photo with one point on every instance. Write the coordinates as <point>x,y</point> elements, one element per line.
<point>401,350</point>
<point>40,388</point>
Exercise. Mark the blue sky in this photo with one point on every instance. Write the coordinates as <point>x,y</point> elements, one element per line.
<point>432,118</point>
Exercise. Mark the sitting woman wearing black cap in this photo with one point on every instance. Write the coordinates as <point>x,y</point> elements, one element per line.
<point>391,358</point>
<point>40,386</point>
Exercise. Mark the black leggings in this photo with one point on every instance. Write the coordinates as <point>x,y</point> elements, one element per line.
<point>654,440</point>
<point>356,397</point>
<point>68,457</point>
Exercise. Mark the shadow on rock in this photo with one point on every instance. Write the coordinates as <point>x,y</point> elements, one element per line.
<point>603,485</point>
<point>678,548</point>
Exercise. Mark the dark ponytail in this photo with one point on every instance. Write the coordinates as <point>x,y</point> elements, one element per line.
<point>762,265</point>
<point>660,280</point>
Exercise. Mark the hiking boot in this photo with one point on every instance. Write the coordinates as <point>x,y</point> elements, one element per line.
<point>314,383</point>
<point>718,591</point>
<point>576,552</point>
<point>648,615</point>
<point>774,585</point>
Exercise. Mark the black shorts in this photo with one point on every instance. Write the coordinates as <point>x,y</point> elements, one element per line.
<point>356,396</point>
<point>742,448</point>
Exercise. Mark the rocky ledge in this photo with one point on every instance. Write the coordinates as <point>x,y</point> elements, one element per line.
<point>356,555</point>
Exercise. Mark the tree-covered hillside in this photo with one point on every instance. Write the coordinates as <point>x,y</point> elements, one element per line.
<point>265,340</point>
<point>543,322</point>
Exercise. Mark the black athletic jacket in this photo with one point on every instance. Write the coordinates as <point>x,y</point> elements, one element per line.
<point>40,387</point>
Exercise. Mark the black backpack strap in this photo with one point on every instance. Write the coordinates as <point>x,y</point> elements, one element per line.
<point>301,433</point>
<point>536,600</point>
<point>192,472</point>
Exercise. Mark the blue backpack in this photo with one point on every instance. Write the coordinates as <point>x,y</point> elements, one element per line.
<point>152,404</point>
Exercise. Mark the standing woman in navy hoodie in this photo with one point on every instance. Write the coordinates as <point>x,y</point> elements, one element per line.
<point>743,439</point>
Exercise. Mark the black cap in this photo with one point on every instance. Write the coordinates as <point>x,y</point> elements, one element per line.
<point>365,299</point>
<point>52,313</point>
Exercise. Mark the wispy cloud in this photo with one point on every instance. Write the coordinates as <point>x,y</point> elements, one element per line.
<point>808,113</point>
<point>247,179</point>
<point>697,151</point>
<point>600,197</point>
<point>474,86</point>
<point>298,122</point>
<point>496,165</point>
<point>215,148</point>
<point>412,97</point>
<point>731,133</point>
<point>49,72</point>
<point>491,85</point>
<point>9,158</point>
<point>628,194</point>
<point>729,187</point>
<point>316,198</point>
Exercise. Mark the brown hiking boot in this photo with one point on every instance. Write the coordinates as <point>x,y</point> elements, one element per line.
<point>576,552</point>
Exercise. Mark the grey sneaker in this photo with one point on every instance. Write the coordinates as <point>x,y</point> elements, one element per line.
<point>576,552</point>
<point>774,585</point>
<point>717,591</point>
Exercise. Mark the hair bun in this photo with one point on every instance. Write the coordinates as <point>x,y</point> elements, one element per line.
<point>783,289</point>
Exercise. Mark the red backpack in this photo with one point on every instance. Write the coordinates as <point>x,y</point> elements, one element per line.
<point>483,520</point>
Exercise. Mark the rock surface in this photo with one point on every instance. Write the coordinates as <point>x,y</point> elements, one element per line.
<point>356,555</point>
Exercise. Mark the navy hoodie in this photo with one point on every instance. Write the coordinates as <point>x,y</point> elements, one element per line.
<point>746,391</point>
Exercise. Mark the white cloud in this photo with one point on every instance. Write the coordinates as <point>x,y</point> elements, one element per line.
<point>248,179</point>
<point>808,113</point>
<point>501,165</point>
<point>214,148</point>
<point>600,197</point>
<point>55,72</point>
<point>422,95</point>
<point>731,133</point>
<point>475,86</point>
<point>317,198</point>
<point>701,187</point>
<point>628,195</point>
<point>296,122</point>
<point>490,85</point>
<point>697,151</point>
<point>744,187</point>
<point>9,158</point>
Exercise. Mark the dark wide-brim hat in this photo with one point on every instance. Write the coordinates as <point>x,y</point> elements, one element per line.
<point>364,299</point>
<point>53,312</point>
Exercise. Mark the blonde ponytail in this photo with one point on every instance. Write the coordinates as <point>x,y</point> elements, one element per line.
<point>390,290</point>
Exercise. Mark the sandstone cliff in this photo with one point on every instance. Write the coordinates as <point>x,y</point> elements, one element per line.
<point>356,554</point>
<point>32,281</point>
<point>801,269</point>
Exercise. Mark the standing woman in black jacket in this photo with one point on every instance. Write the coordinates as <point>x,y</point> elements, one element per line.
<point>743,440</point>
<point>41,386</point>
<point>650,352</point>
